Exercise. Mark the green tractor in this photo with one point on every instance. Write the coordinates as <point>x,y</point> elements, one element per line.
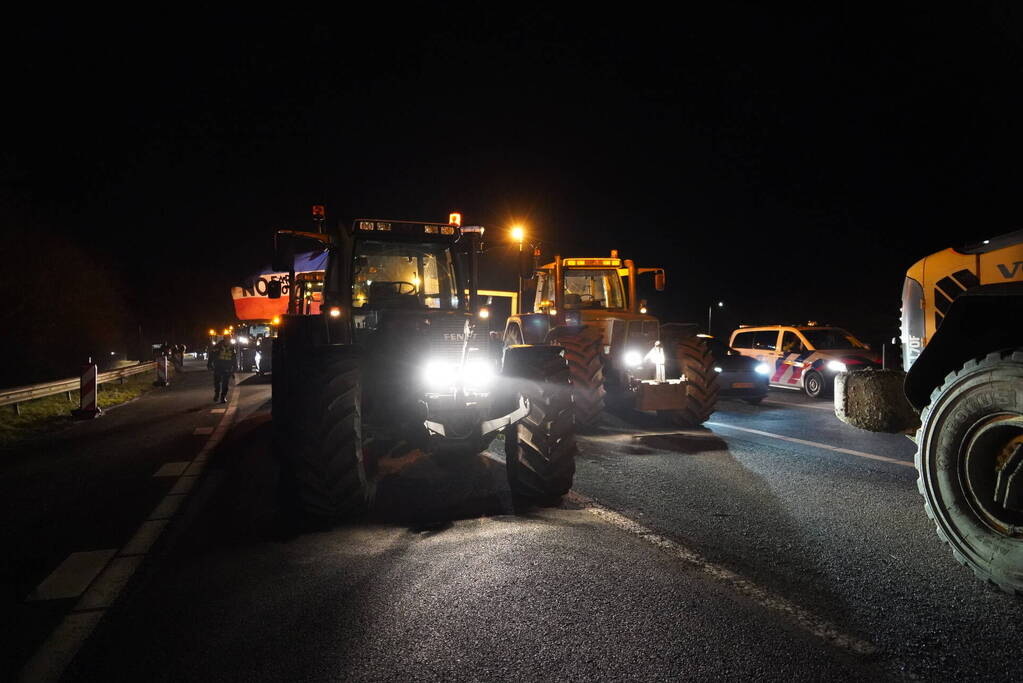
<point>397,354</point>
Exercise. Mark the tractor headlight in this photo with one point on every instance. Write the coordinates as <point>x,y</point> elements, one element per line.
<point>633,359</point>
<point>477,375</point>
<point>836,366</point>
<point>718,368</point>
<point>763,369</point>
<point>439,376</point>
<point>243,340</point>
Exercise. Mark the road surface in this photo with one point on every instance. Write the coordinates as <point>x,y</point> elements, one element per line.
<point>776,542</point>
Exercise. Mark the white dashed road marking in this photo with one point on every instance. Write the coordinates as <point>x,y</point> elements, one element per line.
<point>79,572</point>
<point>804,618</point>
<point>815,444</point>
<point>73,576</point>
<point>171,469</point>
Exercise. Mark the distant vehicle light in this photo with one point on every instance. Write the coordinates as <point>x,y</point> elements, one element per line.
<point>484,313</point>
<point>717,369</point>
<point>213,333</point>
<point>763,369</point>
<point>243,340</point>
<point>233,340</point>
<point>552,311</point>
<point>837,366</point>
<point>643,310</point>
<point>335,312</point>
<point>633,359</point>
<point>455,218</point>
<point>276,320</point>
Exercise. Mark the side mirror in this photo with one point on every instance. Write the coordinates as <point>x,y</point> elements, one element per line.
<point>273,289</point>
<point>659,281</point>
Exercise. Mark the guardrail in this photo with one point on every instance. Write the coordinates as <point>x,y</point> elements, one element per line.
<point>18,395</point>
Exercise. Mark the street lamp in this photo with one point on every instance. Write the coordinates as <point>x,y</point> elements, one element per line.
<point>710,311</point>
<point>518,234</point>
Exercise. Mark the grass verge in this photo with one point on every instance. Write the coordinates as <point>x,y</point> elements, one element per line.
<point>46,415</point>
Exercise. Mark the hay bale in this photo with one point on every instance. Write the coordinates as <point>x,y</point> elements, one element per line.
<point>874,400</point>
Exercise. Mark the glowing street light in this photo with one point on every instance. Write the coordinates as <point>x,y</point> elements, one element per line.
<point>518,234</point>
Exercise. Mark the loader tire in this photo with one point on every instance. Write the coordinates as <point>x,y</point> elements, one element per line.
<point>693,359</point>
<point>969,445</point>
<point>540,449</point>
<point>582,351</point>
<point>319,442</point>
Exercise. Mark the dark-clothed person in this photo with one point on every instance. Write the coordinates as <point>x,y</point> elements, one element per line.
<point>222,361</point>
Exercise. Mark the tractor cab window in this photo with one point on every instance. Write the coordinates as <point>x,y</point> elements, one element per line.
<point>588,289</point>
<point>400,275</point>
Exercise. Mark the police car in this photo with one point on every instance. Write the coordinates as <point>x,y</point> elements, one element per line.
<point>804,357</point>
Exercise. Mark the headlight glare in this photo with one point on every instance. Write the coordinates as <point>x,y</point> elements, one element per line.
<point>763,369</point>
<point>438,375</point>
<point>477,375</point>
<point>836,366</point>
<point>633,359</point>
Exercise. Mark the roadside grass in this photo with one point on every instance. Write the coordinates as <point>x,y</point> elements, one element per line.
<point>52,413</point>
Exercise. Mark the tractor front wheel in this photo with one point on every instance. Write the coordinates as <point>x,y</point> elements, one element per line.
<point>694,361</point>
<point>319,440</point>
<point>582,351</point>
<point>970,464</point>
<point>540,449</point>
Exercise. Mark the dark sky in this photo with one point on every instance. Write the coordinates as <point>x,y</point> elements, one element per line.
<point>792,164</point>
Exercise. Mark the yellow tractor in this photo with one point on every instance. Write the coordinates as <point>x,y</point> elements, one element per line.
<point>962,393</point>
<point>615,350</point>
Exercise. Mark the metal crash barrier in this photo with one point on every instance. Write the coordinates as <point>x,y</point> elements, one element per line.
<point>18,395</point>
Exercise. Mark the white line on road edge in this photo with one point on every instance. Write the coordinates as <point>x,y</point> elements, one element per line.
<point>815,444</point>
<point>52,658</point>
<point>807,620</point>
<point>830,409</point>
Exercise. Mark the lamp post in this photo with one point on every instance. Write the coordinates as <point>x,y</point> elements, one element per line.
<point>518,234</point>
<point>710,311</point>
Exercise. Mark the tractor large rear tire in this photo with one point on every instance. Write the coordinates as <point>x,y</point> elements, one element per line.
<point>582,351</point>
<point>691,357</point>
<point>319,441</point>
<point>540,449</point>
<point>969,445</point>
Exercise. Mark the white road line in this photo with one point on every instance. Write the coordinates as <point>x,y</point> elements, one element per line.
<point>804,618</point>
<point>111,582</point>
<point>73,576</point>
<point>168,507</point>
<point>815,444</point>
<point>48,663</point>
<point>826,408</point>
<point>144,537</point>
<point>171,469</point>
<point>203,431</point>
<point>183,485</point>
<point>50,660</point>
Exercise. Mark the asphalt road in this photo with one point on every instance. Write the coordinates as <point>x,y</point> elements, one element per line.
<point>776,543</point>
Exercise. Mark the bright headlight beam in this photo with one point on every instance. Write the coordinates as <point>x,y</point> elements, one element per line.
<point>836,366</point>
<point>763,369</point>
<point>633,359</point>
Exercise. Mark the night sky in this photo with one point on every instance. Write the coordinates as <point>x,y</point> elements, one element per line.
<point>791,164</point>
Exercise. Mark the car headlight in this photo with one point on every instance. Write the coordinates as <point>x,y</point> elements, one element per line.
<point>633,359</point>
<point>836,366</point>
<point>763,369</point>
<point>717,368</point>
<point>243,340</point>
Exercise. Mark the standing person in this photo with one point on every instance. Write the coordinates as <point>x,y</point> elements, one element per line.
<point>222,361</point>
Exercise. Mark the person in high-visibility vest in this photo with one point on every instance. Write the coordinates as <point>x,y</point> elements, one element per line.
<point>223,360</point>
